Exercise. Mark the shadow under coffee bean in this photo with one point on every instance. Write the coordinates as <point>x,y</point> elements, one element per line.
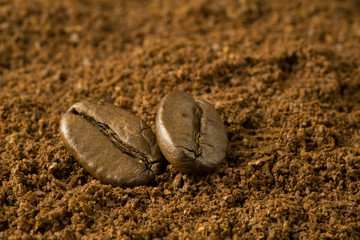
<point>113,144</point>
<point>190,133</point>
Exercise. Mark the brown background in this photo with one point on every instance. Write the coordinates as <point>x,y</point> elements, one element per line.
<point>284,75</point>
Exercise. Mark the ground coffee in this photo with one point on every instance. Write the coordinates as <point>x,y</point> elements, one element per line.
<point>190,133</point>
<point>113,144</point>
<point>283,75</point>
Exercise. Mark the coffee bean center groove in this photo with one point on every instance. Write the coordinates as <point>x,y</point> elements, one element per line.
<point>113,137</point>
<point>197,133</point>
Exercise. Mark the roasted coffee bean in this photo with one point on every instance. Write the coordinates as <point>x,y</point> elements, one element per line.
<point>114,145</point>
<point>190,133</point>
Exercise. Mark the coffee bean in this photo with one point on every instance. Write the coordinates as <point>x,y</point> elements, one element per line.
<point>190,133</point>
<point>114,145</point>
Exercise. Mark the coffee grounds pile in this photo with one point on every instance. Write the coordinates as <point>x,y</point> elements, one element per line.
<point>284,76</point>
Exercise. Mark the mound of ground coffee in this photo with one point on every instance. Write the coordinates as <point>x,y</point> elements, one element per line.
<point>283,75</point>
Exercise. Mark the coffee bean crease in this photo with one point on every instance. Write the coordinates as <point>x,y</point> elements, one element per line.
<point>114,138</point>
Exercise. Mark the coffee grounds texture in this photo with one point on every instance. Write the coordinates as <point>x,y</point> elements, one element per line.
<point>284,76</point>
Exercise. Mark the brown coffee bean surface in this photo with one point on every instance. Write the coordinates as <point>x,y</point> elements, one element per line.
<point>190,133</point>
<point>113,144</point>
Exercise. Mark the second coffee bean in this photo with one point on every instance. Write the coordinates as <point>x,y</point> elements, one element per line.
<point>190,133</point>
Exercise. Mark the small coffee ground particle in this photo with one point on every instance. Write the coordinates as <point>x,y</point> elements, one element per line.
<point>284,75</point>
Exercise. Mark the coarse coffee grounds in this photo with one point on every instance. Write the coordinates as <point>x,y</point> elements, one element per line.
<point>284,76</point>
